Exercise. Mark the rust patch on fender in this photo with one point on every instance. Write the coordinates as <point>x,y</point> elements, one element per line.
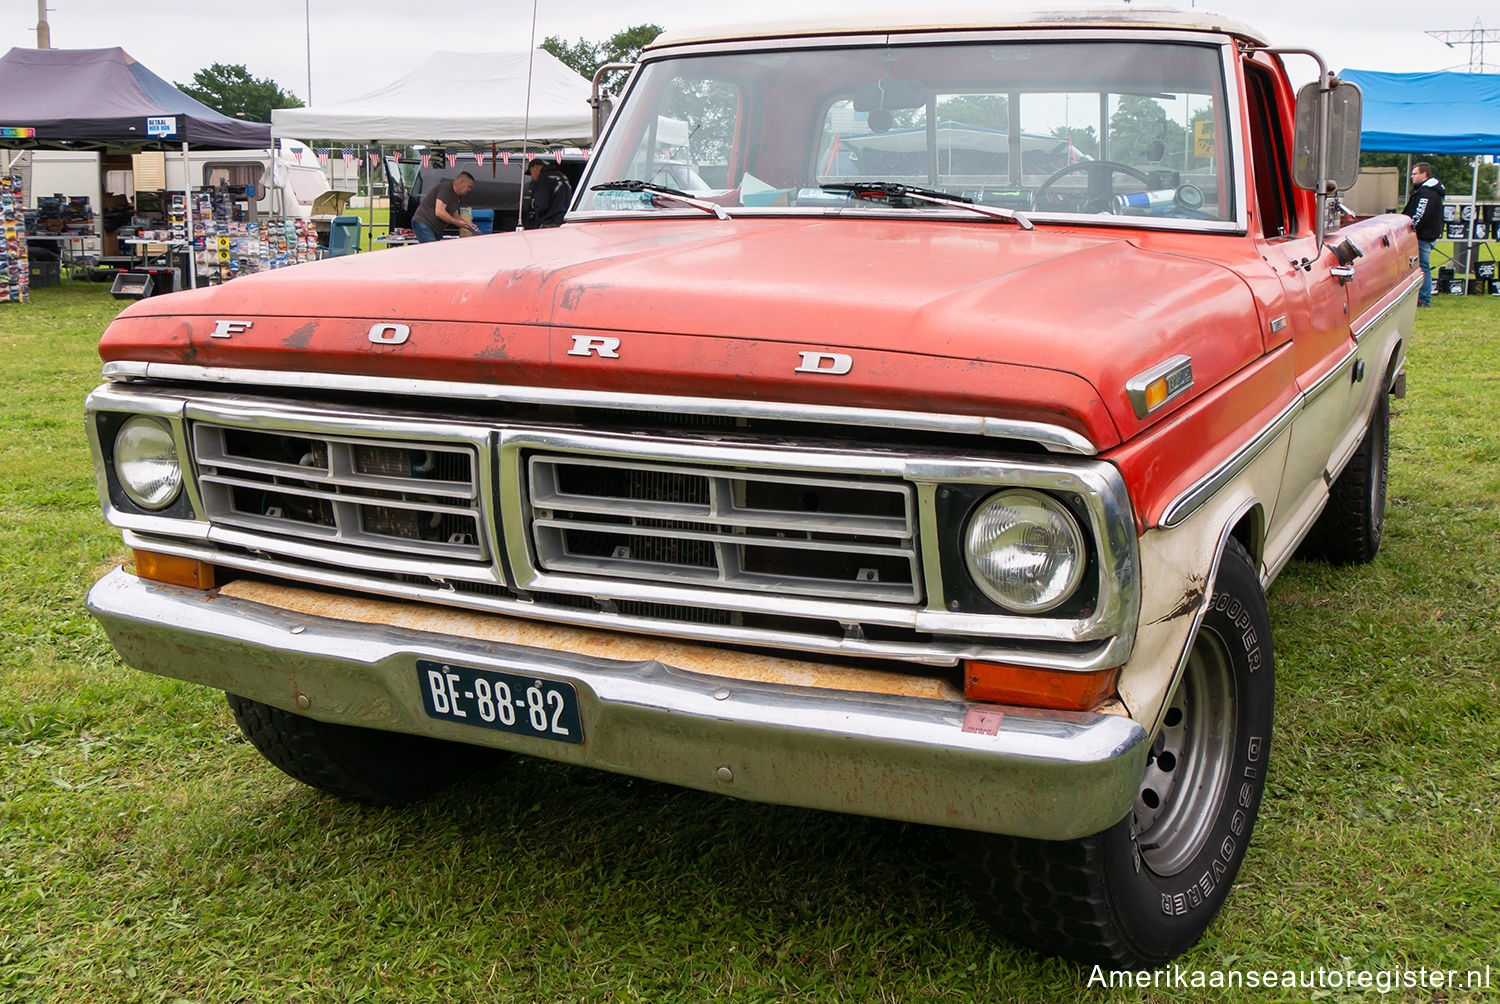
<point>1192,599</point>
<point>302,337</point>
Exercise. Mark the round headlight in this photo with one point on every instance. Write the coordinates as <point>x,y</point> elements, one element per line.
<point>146,462</point>
<point>1025,551</point>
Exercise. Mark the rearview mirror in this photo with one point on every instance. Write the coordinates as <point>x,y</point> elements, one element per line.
<point>1345,106</point>
<point>892,95</point>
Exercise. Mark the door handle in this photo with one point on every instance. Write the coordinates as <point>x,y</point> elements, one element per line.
<point>1342,273</point>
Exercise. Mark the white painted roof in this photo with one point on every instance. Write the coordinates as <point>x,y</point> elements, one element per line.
<point>935,19</point>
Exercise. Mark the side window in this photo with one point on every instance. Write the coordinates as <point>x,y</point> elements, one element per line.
<point>1269,159</point>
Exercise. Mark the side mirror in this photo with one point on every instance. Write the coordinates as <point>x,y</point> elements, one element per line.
<point>1345,106</point>
<point>604,107</point>
<point>600,100</point>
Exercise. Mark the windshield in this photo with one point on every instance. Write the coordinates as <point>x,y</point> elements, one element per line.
<point>1071,129</point>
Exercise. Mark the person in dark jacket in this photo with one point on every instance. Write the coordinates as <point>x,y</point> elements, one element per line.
<point>1425,207</point>
<point>547,196</point>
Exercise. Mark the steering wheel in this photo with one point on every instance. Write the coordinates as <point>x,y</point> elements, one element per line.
<point>1101,187</point>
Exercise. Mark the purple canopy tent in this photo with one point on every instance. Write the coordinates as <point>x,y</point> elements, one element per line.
<point>102,99</point>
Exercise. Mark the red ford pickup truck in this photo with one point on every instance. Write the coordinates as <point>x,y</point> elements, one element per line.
<point>928,459</point>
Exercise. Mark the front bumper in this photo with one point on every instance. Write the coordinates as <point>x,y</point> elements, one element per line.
<point>1048,774</point>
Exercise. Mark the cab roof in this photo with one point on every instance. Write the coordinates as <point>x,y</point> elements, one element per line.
<point>937,19</point>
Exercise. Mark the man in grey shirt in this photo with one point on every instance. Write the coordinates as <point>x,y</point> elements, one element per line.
<point>440,206</point>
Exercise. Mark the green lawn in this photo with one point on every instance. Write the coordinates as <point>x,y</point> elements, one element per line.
<point>148,854</point>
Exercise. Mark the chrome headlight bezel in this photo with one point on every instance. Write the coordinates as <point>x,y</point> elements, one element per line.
<point>1028,521</point>
<point>146,464</point>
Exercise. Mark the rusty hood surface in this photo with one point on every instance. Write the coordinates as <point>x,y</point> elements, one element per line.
<point>969,318</point>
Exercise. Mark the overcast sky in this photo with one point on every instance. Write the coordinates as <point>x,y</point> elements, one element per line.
<point>353,53</point>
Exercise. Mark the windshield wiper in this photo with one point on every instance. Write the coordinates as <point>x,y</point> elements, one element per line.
<point>893,190</point>
<point>633,185</point>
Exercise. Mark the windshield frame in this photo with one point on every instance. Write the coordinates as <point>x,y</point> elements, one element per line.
<point>1223,44</point>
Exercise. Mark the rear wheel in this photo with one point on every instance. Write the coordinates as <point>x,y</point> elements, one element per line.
<point>362,765</point>
<point>1143,891</point>
<point>1349,530</point>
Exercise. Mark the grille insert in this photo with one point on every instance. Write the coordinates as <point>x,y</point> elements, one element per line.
<point>418,499</point>
<point>830,537</point>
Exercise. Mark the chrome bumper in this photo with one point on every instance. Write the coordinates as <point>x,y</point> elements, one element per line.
<point>1052,774</point>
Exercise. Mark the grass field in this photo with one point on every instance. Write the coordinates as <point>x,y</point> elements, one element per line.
<point>148,854</point>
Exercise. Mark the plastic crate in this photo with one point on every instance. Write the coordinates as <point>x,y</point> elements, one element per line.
<point>45,273</point>
<point>132,286</point>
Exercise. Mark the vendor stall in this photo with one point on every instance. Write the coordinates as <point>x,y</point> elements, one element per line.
<point>1442,113</point>
<point>102,99</point>
<point>481,102</point>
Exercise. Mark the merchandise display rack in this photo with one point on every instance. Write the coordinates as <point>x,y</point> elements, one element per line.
<point>1474,231</point>
<point>229,242</point>
<point>15,264</point>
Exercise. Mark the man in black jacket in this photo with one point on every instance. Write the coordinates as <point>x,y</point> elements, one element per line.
<point>1425,207</point>
<point>547,196</point>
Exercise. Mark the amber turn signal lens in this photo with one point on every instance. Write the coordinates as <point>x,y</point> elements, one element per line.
<point>1038,688</point>
<point>1156,393</point>
<point>173,570</point>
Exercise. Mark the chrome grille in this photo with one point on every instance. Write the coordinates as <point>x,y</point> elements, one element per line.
<point>418,499</point>
<point>825,536</point>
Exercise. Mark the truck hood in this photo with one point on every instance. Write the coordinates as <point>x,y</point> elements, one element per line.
<point>977,318</point>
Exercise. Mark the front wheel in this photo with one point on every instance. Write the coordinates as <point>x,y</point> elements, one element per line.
<point>1143,891</point>
<point>362,765</point>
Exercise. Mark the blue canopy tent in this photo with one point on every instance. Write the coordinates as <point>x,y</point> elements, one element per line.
<point>1432,113</point>
<point>1449,113</point>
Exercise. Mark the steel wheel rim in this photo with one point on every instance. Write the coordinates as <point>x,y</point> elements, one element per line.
<point>1177,806</point>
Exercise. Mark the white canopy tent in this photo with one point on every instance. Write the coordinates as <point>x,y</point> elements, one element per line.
<point>456,97</point>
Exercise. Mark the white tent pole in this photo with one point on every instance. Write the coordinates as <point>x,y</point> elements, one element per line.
<point>1471,256</point>
<point>526,123</point>
<point>187,200</point>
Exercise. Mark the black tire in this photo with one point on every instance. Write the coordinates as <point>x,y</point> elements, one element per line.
<point>362,765</point>
<point>1143,891</point>
<point>1349,530</point>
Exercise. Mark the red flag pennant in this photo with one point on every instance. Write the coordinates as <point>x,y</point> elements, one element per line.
<point>557,156</point>
<point>530,156</point>
<point>323,159</point>
<point>505,157</point>
<point>396,156</point>
<point>374,159</point>
<point>479,157</point>
<point>452,160</point>
<point>298,154</point>
<point>426,160</point>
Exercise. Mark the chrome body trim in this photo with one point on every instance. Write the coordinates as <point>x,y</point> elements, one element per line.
<point>510,581</point>
<point>1053,775</point>
<point>1178,372</point>
<point>1054,438</point>
<point>1413,286</point>
<point>1219,34</point>
<point>1191,500</point>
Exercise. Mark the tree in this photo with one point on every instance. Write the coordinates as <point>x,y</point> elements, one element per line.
<point>232,91</point>
<point>586,57</point>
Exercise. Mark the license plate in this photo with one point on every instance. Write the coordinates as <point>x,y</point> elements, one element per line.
<point>524,705</point>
